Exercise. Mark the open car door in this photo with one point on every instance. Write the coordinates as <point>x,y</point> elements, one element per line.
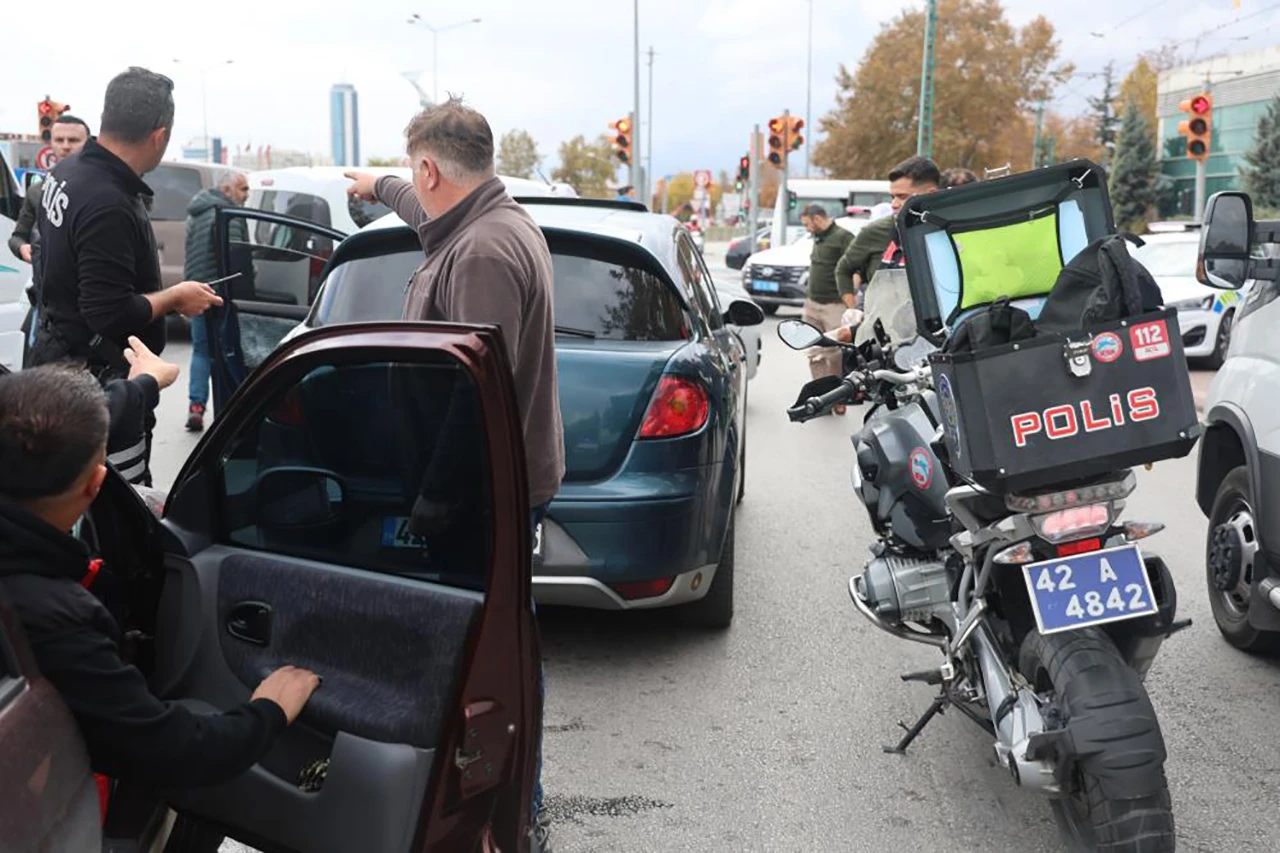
<point>290,542</point>
<point>280,261</point>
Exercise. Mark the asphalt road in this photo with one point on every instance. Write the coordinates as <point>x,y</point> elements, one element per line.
<point>767,737</point>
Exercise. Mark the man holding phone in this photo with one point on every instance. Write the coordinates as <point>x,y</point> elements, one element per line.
<point>201,264</point>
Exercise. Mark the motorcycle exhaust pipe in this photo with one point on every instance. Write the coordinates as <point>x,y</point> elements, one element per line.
<point>860,602</point>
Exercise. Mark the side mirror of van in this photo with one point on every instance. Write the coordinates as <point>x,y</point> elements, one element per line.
<point>1227,241</point>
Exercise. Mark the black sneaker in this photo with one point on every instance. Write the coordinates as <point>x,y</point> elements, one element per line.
<point>195,417</point>
<point>541,834</point>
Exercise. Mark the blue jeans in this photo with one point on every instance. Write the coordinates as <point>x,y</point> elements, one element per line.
<point>535,518</point>
<point>200,363</point>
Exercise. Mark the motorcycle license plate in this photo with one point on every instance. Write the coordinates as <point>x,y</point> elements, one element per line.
<point>1089,589</point>
<point>765,286</point>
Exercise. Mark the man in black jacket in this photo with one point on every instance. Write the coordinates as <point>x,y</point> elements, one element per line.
<point>101,276</point>
<point>53,435</point>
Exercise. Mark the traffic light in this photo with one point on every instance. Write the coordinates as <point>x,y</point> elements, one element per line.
<point>1198,126</point>
<point>48,111</point>
<point>622,139</point>
<point>794,140</point>
<point>792,200</point>
<point>777,140</point>
<point>744,172</point>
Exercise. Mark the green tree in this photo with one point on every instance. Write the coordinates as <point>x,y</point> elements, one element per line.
<point>387,161</point>
<point>1141,83</point>
<point>588,167</point>
<point>517,154</point>
<point>1106,118</point>
<point>1262,174</point>
<point>986,71</point>
<point>1133,174</point>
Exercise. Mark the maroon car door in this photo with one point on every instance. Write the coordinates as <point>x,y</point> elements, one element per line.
<point>48,799</point>
<point>361,509</point>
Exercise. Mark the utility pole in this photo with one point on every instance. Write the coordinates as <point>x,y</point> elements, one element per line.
<point>808,94</point>
<point>637,169</point>
<point>924,139</point>
<point>648,145</point>
<point>1035,145</point>
<point>782,207</point>
<point>753,189</point>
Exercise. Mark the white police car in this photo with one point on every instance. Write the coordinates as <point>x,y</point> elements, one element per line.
<point>1205,315</point>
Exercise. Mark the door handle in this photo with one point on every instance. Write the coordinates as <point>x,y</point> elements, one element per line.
<point>250,621</point>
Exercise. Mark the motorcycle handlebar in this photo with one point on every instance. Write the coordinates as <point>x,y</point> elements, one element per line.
<point>812,407</point>
<point>893,377</point>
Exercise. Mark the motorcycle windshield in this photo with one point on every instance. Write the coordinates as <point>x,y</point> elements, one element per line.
<point>888,299</point>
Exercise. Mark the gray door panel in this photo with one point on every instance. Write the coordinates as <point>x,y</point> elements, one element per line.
<point>369,800</point>
<point>390,651</point>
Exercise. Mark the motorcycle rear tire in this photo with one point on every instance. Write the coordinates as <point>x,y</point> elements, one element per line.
<point>1084,669</point>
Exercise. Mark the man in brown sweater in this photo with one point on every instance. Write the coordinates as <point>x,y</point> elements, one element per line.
<point>487,262</point>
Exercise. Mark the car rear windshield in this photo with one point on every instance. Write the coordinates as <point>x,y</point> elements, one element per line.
<point>604,298</point>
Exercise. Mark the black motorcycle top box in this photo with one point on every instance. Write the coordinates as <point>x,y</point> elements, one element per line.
<point>1055,408</point>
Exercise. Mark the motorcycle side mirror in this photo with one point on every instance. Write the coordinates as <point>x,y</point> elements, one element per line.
<point>798,334</point>
<point>1229,243</point>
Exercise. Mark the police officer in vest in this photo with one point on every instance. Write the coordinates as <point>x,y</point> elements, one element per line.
<point>101,270</point>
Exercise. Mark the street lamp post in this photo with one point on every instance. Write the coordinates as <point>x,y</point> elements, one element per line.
<point>808,94</point>
<point>204,99</point>
<point>416,19</point>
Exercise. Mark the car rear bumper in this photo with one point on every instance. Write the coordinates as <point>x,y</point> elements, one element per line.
<point>591,593</point>
<point>592,550</point>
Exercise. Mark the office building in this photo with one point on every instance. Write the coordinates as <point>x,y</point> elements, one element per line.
<point>344,124</point>
<point>1242,86</point>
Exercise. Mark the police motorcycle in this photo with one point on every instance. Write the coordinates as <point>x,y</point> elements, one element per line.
<point>996,474</point>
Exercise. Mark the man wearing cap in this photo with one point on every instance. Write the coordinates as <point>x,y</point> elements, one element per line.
<point>825,297</point>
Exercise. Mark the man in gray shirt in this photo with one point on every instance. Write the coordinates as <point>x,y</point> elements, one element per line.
<point>486,262</point>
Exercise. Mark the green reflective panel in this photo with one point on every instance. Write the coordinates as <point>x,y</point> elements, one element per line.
<point>1013,260</point>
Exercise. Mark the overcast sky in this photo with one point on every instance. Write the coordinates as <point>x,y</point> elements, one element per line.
<point>554,67</point>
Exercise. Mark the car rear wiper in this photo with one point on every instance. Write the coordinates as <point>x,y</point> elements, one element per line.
<point>577,333</point>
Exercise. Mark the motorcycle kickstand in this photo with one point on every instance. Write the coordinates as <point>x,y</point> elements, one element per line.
<point>940,703</point>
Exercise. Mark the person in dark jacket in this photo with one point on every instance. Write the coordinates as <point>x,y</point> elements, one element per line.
<point>53,432</point>
<point>67,136</point>
<point>868,251</point>
<point>101,274</point>
<point>201,264</point>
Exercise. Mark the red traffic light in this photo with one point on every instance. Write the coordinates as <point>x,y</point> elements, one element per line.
<point>777,126</point>
<point>744,164</point>
<point>45,107</point>
<point>1200,105</point>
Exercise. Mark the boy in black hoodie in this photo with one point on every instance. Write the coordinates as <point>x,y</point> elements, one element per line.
<point>53,449</point>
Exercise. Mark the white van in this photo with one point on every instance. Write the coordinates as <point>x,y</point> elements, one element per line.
<point>836,196</point>
<point>14,272</point>
<point>319,194</point>
<point>1238,481</point>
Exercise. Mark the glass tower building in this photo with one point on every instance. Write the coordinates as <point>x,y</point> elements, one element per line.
<point>344,124</point>
<point>1242,86</point>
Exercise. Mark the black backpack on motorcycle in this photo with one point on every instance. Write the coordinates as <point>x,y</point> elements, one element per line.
<point>1101,284</point>
<point>996,324</point>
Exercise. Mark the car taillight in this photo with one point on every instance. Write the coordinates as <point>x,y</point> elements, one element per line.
<point>643,589</point>
<point>1075,523</point>
<point>679,407</point>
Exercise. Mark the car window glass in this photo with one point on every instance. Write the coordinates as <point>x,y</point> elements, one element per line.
<point>379,466</point>
<point>365,212</point>
<point>707,289</point>
<point>174,187</point>
<point>685,253</point>
<point>283,270</point>
<point>1170,258</point>
<point>306,206</point>
<point>366,289</point>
